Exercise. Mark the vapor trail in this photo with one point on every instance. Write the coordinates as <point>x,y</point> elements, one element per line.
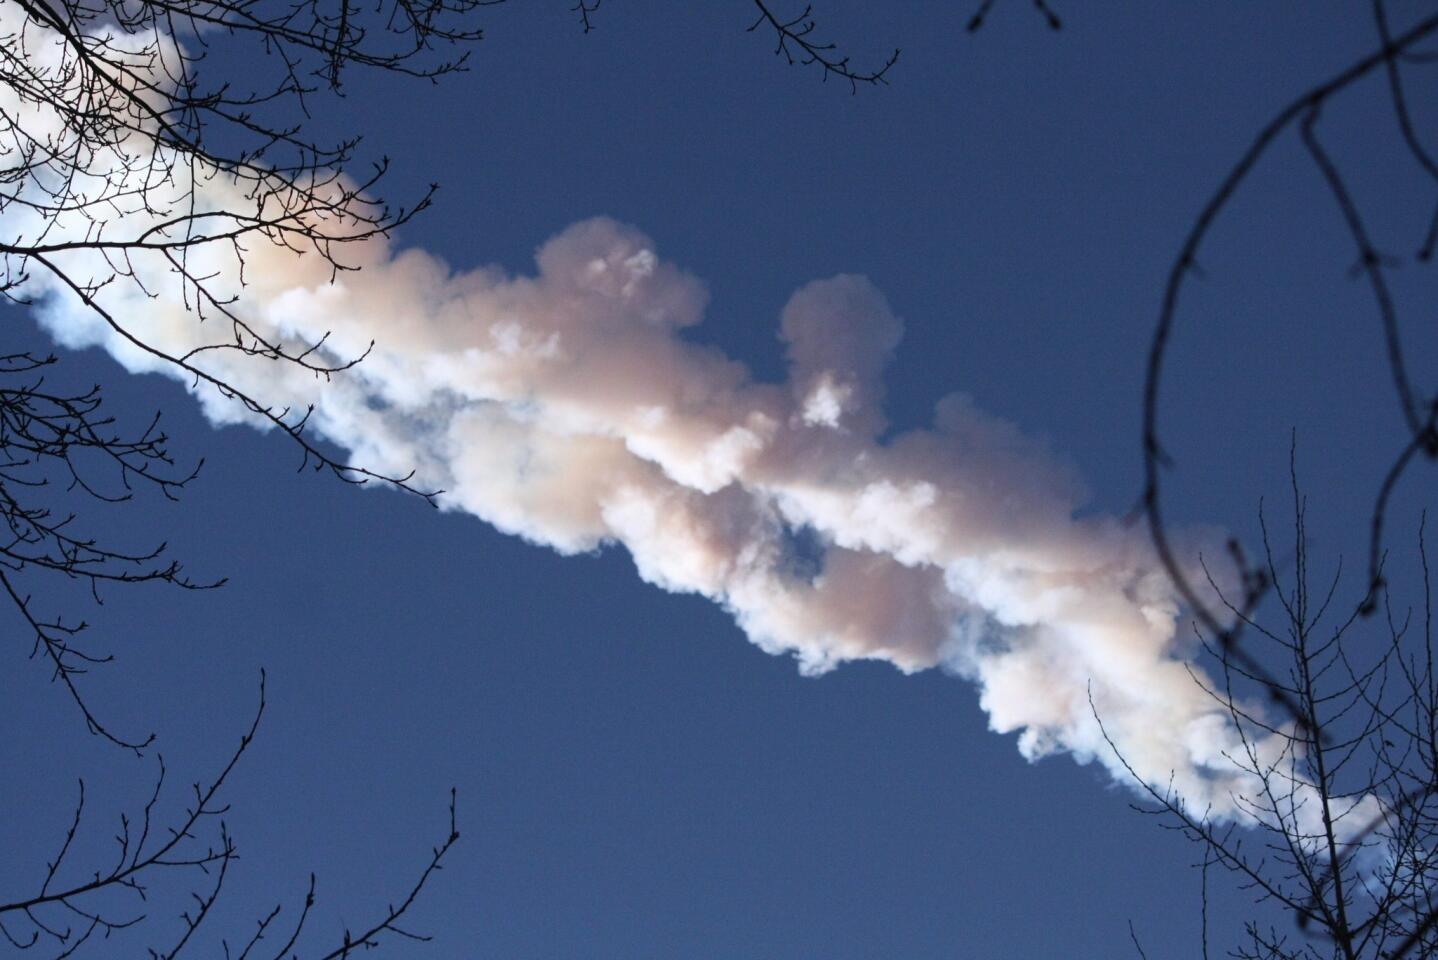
<point>564,407</point>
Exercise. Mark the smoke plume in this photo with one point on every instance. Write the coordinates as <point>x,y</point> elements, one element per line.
<point>566,406</point>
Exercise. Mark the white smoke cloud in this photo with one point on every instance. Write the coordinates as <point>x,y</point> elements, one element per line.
<point>563,407</point>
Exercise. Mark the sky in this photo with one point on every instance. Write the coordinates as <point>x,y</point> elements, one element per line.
<point>634,778</point>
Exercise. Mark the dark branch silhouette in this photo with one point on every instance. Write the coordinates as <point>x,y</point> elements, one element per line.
<point>981,15</point>
<point>1419,413</point>
<point>126,162</point>
<point>796,42</point>
<point>109,155</point>
<point>1335,812</point>
<point>72,904</point>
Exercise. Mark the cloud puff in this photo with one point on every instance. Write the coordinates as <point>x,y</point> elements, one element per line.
<point>563,407</point>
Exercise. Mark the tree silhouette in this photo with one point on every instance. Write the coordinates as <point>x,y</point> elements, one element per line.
<point>112,134</point>
<point>112,128</point>
<point>1336,821</point>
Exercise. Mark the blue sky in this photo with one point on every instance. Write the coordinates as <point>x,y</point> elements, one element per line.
<point>634,778</point>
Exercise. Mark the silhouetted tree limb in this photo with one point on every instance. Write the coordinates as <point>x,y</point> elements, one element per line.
<point>1044,10</point>
<point>110,133</point>
<point>1418,412</point>
<point>1335,816</point>
<point>795,41</point>
<point>584,8</point>
<point>113,131</point>
<point>72,904</point>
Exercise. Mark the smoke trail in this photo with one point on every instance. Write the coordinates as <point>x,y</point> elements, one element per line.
<point>565,407</point>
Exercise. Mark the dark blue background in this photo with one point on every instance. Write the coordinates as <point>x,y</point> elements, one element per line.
<point>635,780</point>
